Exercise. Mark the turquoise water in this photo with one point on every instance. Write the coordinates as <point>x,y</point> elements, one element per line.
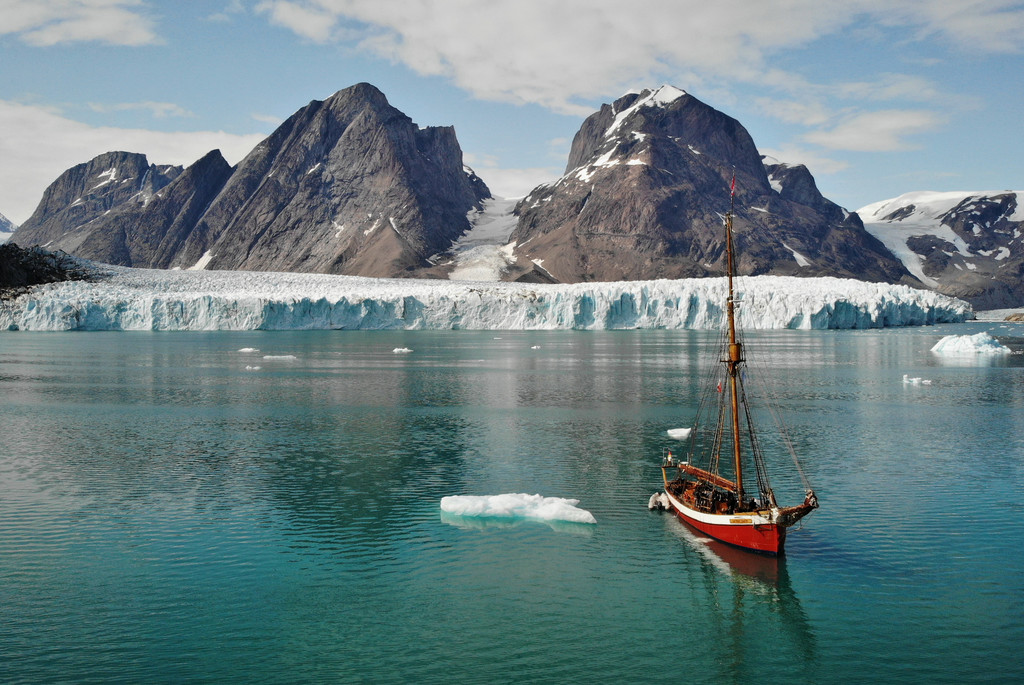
<point>169,515</point>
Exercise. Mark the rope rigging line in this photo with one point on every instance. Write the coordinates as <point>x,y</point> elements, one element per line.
<point>771,403</point>
<point>711,368</point>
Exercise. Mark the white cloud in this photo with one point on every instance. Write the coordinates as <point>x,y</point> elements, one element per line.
<point>815,162</point>
<point>47,144</point>
<point>52,22</point>
<point>555,54</point>
<point>160,110</point>
<point>309,21</point>
<point>227,14</point>
<point>559,54</point>
<point>509,183</point>
<point>880,131</point>
<point>267,119</point>
<point>889,86</point>
<point>982,26</point>
<point>805,112</point>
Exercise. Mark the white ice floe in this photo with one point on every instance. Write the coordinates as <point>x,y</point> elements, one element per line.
<point>401,350</point>
<point>907,380</point>
<point>517,505</point>
<point>147,299</point>
<point>969,345</point>
<point>249,350</point>
<point>679,433</point>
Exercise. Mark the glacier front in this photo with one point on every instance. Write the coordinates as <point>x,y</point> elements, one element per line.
<point>154,300</point>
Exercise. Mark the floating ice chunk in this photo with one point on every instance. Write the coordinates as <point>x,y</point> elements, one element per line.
<point>967,345</point>
<point>249,349</point>
<point>679,433</point>
<point>280,357</point>
<point>401,350</point>
<point>517,505</point>
<point>251,368</point>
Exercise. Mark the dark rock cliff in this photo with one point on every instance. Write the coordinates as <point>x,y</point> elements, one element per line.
<point>347,185</point>
<point>84,193</point>
<point>644,194</point>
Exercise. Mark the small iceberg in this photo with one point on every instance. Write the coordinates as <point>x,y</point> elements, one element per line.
<point>517,505</point>
<point>249,349</point>
<point>679,433</point>
<point>969,345</point>
<point>401,350</point>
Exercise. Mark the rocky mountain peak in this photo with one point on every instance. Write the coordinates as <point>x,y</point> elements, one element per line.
<point>6,228</point>
<point>88,190</point>
<point>345,185</point>
<point>653,126</point>
<point>795,183</point>
<point>646,185</point>
<point>965,244</point>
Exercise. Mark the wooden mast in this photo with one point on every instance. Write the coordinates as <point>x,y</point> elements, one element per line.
<point>735,351</point>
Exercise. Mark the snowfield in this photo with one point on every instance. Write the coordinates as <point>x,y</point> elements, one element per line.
<point>156,300</point>
<point>923,216</point>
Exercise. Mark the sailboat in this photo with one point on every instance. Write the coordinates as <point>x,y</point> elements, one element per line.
<point>714,497</point>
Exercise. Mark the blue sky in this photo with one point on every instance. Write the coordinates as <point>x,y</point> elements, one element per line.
<point>876,97</point>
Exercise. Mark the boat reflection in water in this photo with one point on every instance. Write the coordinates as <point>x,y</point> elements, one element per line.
<point>745,598</point>
<point>734,561</point>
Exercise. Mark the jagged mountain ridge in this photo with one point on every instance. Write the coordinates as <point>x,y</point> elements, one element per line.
<point>346,185</point>
<point>965,244</point>
<point>66,217</point>
<point>351,185</point>
<point>647,183</point>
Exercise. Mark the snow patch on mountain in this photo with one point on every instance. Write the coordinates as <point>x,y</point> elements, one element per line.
<point>665,95</point>
<point>924,213</point>
<point>157,300</point>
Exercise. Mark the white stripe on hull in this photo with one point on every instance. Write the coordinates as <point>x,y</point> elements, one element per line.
<point>744,519</point>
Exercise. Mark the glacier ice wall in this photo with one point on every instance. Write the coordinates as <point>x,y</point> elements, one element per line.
<point>141,299</point>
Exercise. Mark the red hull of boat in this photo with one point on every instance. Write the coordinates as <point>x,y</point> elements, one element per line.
<point>765,539</point>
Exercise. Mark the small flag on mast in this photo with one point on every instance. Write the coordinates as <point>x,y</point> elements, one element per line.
<point>732,187</point>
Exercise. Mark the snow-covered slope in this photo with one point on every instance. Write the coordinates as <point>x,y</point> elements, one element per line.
<point>484,253</point>
<point>138,299</point>
<point>6,229</point>
<point>966,244</point>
